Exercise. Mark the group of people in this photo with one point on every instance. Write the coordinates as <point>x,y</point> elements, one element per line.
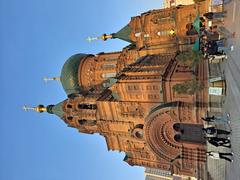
<point>212,136</point>
<point>213,39</point>
<point>213,46</point>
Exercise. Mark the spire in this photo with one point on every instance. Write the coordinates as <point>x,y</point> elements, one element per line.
<point>51,109</point>
<point>40,108</point>
<point>123,34</point>
<point>104,37</point>
<point>46,79</point>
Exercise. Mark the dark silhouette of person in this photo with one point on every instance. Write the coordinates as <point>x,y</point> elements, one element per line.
<point>219,141</point>
<point>213,130</point>
<point>208,119</point>
<point>219,155</point>
<point>215,15</point>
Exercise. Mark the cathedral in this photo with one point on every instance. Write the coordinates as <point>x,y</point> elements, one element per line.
<point>144,100</point>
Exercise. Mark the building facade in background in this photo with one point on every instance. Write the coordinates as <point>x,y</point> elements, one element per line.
<point>172,3</point>
<point>132,97</point>
<point>157,174</point>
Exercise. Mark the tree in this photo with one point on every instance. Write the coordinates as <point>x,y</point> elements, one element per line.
<point>190,58</point>
<point>194,56</point>
<point>188,87</point>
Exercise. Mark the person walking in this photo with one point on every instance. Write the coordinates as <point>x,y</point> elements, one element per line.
<point>210,36</point>
<point>215,131</point>
<point>217,57</point>
<point>215,15</point>
<point>224,32</point>
<point>225,49</point>
<point>219,142</point>
<point>211,48</point>
<point>208,119</point>
<point>219,155</point>
<point>223,119</point>
<point>221,47</point>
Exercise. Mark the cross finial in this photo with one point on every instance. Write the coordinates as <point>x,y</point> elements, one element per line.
<point>46,79</point>
<point>26,108</point>
<point>40,108</point>
<point>90,39</point>
<point>104,37</point>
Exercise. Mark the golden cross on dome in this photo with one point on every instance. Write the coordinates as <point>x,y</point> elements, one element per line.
<point>39,108</point>
<point>26,108</point>
<point>46,79</point>
<point>90,39</point>
<point>104,37</point>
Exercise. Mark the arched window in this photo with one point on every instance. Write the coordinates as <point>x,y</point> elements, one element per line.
<point>91,122</point>
<point>87,122</point>
<point>190,30</point>
<point>108,66</point>
<point>189,133</point>
<point>137,132</point>
<point>82,121</point>
<point>109,75</point>
<point>87,106</point>
<point>177,137</point>
<point>69,106</point>
<point>69,118</point>
<point>110,59</point>
<point>176,127</point>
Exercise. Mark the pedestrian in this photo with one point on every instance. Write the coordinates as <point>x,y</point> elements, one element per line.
<point>211,36</point>
<point>223,119</point>
<point>210,130</point>
<point>227,49</point>
<point>224,32</point>
<point>219,155</point>
<point>208,119</point>
<point>215,131</point>
<point>202,24</point>
<point>211,48</point>
<point>222,48</point>
<point>219,142</point>
<point>217,57</point>
<point>215,15</point>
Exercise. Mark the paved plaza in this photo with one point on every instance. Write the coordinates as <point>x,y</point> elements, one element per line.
<point>220,169</point>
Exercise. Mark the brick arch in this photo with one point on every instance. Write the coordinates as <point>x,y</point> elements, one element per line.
<point>159,132</point>
<point>183,157</point>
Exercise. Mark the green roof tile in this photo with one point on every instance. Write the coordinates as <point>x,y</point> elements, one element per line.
<point>69,74</point>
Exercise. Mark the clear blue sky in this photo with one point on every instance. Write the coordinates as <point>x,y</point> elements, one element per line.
<point>36,37</point>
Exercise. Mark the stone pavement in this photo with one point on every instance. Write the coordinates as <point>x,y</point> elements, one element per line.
<point>220,169</point>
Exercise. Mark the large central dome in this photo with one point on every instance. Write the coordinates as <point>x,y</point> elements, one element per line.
<point>69,74</point>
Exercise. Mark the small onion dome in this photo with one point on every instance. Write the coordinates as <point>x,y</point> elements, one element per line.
<point>69,74</point>
<point>123,34</point>
<point>56,109</point>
